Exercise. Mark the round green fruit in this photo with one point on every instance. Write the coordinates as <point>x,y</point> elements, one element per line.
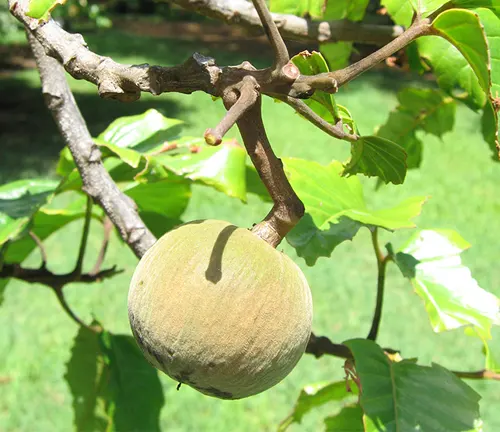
<point>215,307</point>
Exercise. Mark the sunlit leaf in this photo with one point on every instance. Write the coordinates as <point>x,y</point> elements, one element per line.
<point>463,29</point>
<point>41,9</point>
<point>222,167</point>
<point>316,395</point>
<point>374,156</point>
<point>19,201</point>
<point>298,7</point>
<point>141,132</point>
<point>425,110</point>
<point>452,297</point>
<point>405,396</point>
<point>330,200</point>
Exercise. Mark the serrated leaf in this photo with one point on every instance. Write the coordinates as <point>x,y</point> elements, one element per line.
<point>349,419</point>
<point>19,201</point>
<point>134,396</point>
<point>331,199</point>
<point>84,372</point>
<point>141,132</point>
<point>405,396</point>
<point>314,396</point>
<point>222,167</point>
<point>452,297</point>
<point>374,156</point>
<point>424,110</point>
<point>41,9</point>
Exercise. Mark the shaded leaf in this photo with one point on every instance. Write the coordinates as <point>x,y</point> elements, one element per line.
<point>331,199</point>
<point>374,156</point>
<point>424,110</point>
<point>405,396</point>
<point>349,419</point>
<point>141,132</point>
<point>84,372</point>
<point>316,395</point>
<point>452,297</point>
<point>19,201</point>
<point>134,396</point>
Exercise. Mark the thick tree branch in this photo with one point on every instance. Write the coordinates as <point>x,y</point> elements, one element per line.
<point>114,80</point>
<point>242,12</point>
<point>97,182</point>
<point>287,209</point>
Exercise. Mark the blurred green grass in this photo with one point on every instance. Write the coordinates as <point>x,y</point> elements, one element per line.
<point>36,336</point>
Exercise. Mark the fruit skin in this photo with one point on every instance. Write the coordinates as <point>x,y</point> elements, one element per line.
<point>215,307</point>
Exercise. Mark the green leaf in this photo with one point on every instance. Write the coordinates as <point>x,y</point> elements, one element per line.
<point>463,29</point>
<point>401,11</point>
<point>349,419</point>
<point>84,373</point>
<point>424,110</point>
<point>3,285</point>
<point>142,132</point>
<point>331,199</point>
<point>222,167</point>
<point>19,201</point>
<point>129,156</point>
<point>133,394</point>
<point>405,396</point>
<point>374,156</point>
<point>41,9</point>
<point>453,72</point>
<point>452,297</point>
<point>316,395</point>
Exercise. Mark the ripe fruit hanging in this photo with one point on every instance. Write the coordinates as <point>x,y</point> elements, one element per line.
<point>215,307</point>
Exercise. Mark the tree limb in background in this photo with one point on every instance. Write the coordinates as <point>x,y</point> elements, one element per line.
<point>97,183</point>
<point>242,12</point>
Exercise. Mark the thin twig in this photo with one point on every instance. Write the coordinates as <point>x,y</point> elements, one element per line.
<point>419,28</point>
<point>62,300</point>
<point>335,131</point>
<point>41,247</point>
<point>381,267</point>
<point>480,374</point>
<point>85,236</point>
<point>281,56</point>
<point>108,227</point>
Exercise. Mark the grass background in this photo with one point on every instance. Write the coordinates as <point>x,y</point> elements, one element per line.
<point>36,335</point>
